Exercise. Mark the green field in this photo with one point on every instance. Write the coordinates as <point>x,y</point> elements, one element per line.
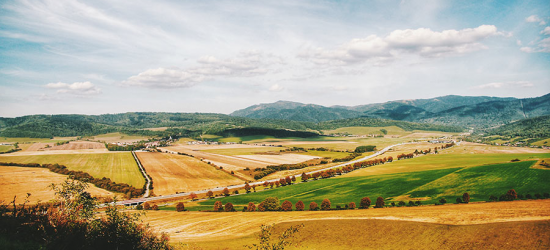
<point>243,151</point>
<point>5,148</point>
<point>430,186</point>
<point>119,167</point>
<point>442,161</point>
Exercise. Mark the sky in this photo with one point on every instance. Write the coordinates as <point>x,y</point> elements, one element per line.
<point>98,57</point>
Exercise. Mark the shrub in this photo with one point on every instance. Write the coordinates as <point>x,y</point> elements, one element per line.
<point>139,207</point>
<point>442,201</point>
<point>418,203</point>
<point>251,207</point>
<point>325,205</point>
<point>210,194</point>
<point>146,206</point>
<point>226,192</point>
<point>180,207</point>
<point>511,195</point>
<point>351,205</point>
<point>218,207</point>
<point>261,207</point>
<point>458,200</point>
<point>271,204</point>
<point>520,196</point>
<point>401,203</point>
<point>528,196</point>
<point>229,207</point>
<point>546,195</point>
<point>411,204</point>
<point>192,196</point>
<point>538,196</point>
<point>313,206</point>
<point>379,202</point>
<point>393,204</point>
<point>466,198</point>
<point>365,203</point>
<point>300,206</point>
<point>493,198</point>
<point>155,207</point>
<point>287,206</point>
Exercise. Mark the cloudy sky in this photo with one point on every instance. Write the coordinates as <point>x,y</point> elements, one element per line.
<point>95,57</point>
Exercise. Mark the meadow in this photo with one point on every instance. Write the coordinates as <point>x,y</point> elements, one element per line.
<point>119,167</point>
<point>5,148</point>
<point>428,186</point>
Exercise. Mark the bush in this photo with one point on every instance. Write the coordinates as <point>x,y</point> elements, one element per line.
<point>511,195</point>
<point>146,206</point>
<point>466,198</point>
<point>155,207</point>
<point>418,203</point>
<point>229,207</point>
<point>251,207</point>
<point>180,207</point>
<point>401,203</point>
<point>458,200</point>
<point>261,207</point>
<point>392,204</point>
<point>365,203</point>
<point>442,201</point>
<point>493,198</point>
<point>218,207</point>
<point>271,204</point>
<point>226,192</point>
<point>528,196</point>
<point>287,206</point>
<point>351,205</point>
<point>210,194</point>
<point>300,206</point>
<point>379,202</point>
<point>313,206</point>
<point>325,205</point>
<point>546,195</point>
<point>139,207</point>
<point>411,204</point>
<point>538,196</point>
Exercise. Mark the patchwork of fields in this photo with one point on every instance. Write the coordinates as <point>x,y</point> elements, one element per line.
<point>118,166</point>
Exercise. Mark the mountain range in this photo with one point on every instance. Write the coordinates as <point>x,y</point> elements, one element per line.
<point>465,111</point>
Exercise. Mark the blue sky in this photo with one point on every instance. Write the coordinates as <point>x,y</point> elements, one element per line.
<point>96,57</point>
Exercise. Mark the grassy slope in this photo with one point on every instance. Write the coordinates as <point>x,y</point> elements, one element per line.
<point>428,185</point>
<point>120,167</point>
<point>386,234</point>
<point>5,148</point>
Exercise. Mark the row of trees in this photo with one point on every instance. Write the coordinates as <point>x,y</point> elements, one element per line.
<point>513,195</point>
<point>133,147</point>
<point>104,183</point>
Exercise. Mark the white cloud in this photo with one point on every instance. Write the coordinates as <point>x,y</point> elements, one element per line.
<point>543,46</point>
<point>499,85</point>
<point>276,88</point>
<point>546,31</point>
<point>535,19</point>
<point>423,42</point>
<point>247,64</point>
<point>77,88</point>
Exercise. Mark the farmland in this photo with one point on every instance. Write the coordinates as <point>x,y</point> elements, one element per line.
<point>233,229</point>
<point>118,166</point>
<point>5,148</point>
<point>173,173</point>
<point>14,182</point>
<point>428,186</point>
<point>116,137</point>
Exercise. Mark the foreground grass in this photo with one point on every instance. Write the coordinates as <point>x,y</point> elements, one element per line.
<point>119,167</point>
<point>387,234</point>
<point>429,186</point>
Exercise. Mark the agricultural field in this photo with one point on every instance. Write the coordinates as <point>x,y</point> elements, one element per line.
<point>22,140</point>
<point>15,182</point>
<point>232,230</point>
<point>545,142</point>
<point>72,146</point>
<point>5,148</point>
<point>173,173</point>
<point>118,166</point>
<point>427,186</point>
<point>116,137</point>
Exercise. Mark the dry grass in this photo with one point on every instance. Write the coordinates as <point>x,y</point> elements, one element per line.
<point>74,145</point>
<point>279,159</point>
<point>21,180</point>
<point>204,226</point>
<point>176,173</point>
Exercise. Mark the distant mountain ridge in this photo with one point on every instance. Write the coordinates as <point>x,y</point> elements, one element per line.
<point>464,111</point>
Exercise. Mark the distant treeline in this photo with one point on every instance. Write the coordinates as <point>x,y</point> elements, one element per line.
<point>114,147</point>
<point>184,125</point>
<point>104,183</point>
<point>538,127</point>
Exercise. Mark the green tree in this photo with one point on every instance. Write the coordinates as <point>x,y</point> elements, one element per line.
<point>271,204</point>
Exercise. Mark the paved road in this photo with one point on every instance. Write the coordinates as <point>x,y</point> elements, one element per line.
<point>242,185</point>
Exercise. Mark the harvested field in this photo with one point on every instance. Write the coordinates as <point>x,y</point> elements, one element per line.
<point>118,166</point>
<point>477,148</point>
<point>279,159</point>
<point>21,180</point>
<point>117,137</point>
<point>177,173</point>
<point>74,145</point>
<point>5,148</point>
<point>203,226</point>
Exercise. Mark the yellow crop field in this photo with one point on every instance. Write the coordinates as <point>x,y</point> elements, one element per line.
<point>18,181</point>
<point>173,173</point>
<point>118,166</point>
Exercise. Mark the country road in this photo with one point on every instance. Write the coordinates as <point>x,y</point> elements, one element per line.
<point>145,199</point>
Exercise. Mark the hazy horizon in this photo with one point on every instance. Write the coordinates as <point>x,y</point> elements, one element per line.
<point>69,57</point>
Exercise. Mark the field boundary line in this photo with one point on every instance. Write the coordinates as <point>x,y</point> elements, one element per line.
<point>147,179</point>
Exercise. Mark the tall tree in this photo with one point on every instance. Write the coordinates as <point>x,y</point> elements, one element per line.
<point>379,202</point>
<point>325,205</point>
<point>218,207</point>
<point>300,206</point>
<point>287,206</point>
